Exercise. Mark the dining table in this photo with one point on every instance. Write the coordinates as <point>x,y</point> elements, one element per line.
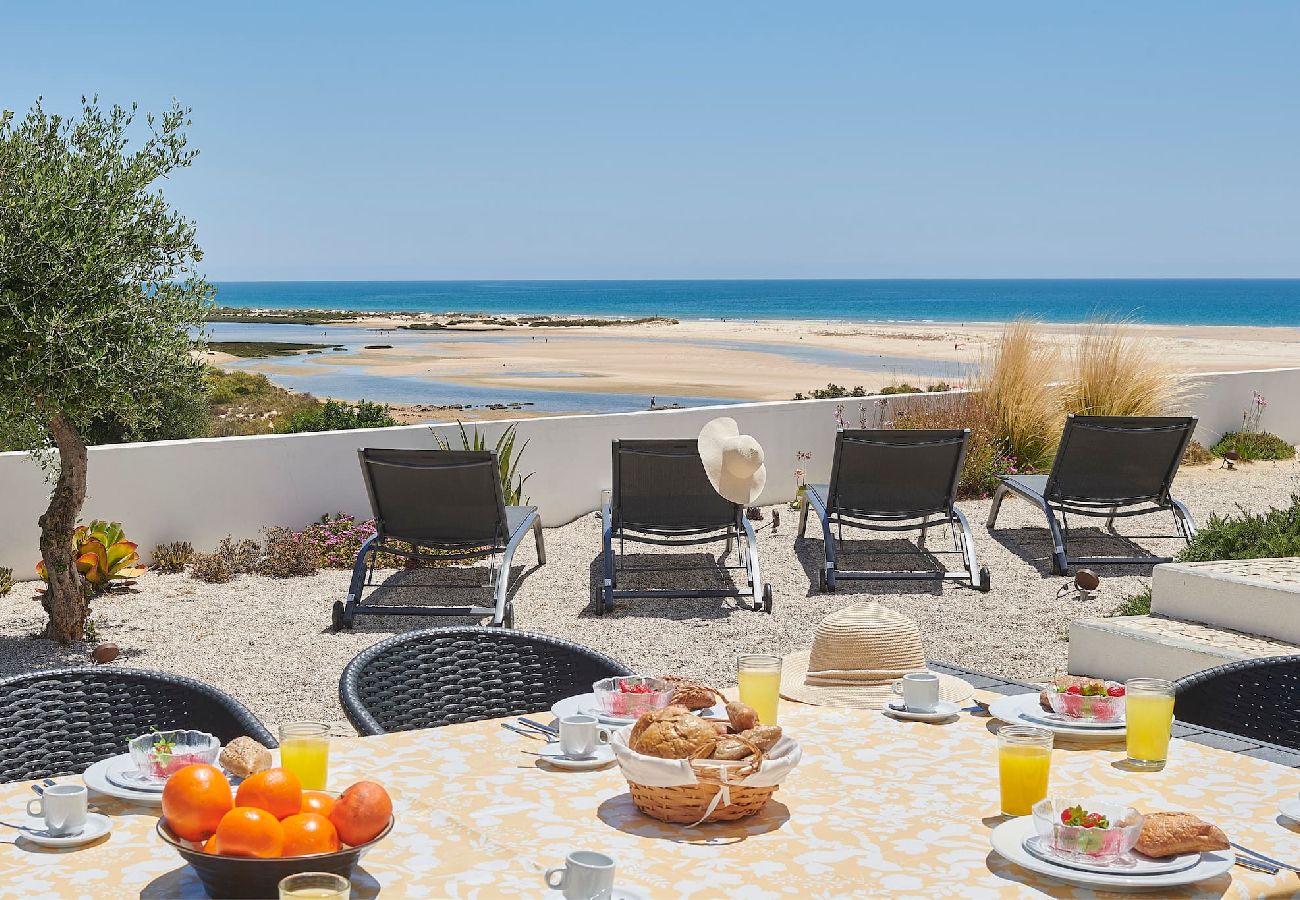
<point>876,807</point>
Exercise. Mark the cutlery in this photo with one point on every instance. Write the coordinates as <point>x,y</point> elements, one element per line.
<point>1260,856</point>
<point>1256,865</point>
<point>545,729</point>
<point>50,782</point>
<point>524,731</point>
<point>40,791</point>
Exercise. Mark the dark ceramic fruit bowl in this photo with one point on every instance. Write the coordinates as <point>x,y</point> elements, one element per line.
<point>238,876</point>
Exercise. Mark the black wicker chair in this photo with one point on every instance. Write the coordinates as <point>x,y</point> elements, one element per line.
<point>442,676</point>
<point>1255,698</point>
<point>60,721</point>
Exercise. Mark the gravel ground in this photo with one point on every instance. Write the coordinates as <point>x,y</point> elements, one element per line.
<point>267,641</point>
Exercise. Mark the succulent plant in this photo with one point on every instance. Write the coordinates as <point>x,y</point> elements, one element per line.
<point>6,580</point>
<point>104,555</point>
<point>172,557</point>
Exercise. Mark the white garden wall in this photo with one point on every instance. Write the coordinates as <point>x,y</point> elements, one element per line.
<point>202,490</point>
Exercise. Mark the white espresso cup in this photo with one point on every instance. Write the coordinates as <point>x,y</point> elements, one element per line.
<point>585,875</point>
<point>64,808</point>
<point>920,691</point>
<point>580,735</point>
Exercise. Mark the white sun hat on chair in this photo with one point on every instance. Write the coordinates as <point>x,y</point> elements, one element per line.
<point>733,461</point>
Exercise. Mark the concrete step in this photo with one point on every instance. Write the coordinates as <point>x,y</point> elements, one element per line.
<point>1157,646</point>
<point>1256,596</point>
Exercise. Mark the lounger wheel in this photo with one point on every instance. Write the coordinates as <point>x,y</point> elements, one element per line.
<point>767,599</point>
<point>339,618</point>
<point>985,580</point>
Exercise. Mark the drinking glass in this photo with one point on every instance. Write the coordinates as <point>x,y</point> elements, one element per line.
<point>305,751</point>
<point>759,676</point>
<point>1149,715</point>
<point>318,885</point>
<point>1024,761</point>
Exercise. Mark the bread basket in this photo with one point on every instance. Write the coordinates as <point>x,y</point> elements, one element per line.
<point>695,791</point>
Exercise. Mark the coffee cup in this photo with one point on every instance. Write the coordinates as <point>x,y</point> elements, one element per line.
<point>920,691</point>
<point>585,875</point>
<point>63,807</point>
<point>580,735</point>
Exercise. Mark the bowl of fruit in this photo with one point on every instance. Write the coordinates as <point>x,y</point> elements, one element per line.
<point>628,696</point>
<point>242,842</point>
<point>1090,699</point>
<point>160,754</point>
<point>1099,831</point>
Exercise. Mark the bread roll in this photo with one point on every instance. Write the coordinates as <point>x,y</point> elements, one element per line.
<point>244,756</point>
<point>671,733</point>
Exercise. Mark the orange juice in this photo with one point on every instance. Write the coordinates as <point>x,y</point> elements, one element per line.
<point>305,751</point>
<point>761,689</point>
<point>1149,714</point>
<point>1022,772</point>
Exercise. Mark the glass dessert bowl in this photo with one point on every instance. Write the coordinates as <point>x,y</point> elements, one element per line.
<point>628,696</point>
<point>1096,831</point>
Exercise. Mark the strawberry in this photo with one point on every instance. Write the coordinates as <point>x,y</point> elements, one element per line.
<point>1074,689</point>
<point>1115,690</point>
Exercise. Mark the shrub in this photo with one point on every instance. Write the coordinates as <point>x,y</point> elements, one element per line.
<point>1254,445</point>
<point>171,558</point>
<point>1137,605</point>
<point>335,415</point>
<point>1248,535</point>
<point>1196,454</point>
<point>939,387</point>
<point>903,388</point>
<point>286,555</point>
<point>243,555</point>
<point>833,391</point>
<point>6,580</point>
<point>1115,373</point>
<point>1022,406</point>
<point>507,458</point>
<point>986,459</point>
<point>211,567</point>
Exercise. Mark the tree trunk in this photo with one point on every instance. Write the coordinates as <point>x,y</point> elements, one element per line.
<point>65,600</point>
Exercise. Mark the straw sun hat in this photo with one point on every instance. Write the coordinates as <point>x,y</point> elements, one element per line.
<point>733,461</point>
<point>857,654</point>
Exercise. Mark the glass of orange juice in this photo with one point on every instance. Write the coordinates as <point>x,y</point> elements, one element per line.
<point>305,751</point>
<point>1024,761</point>
<point>759,676</point>
<point>1149,716</point>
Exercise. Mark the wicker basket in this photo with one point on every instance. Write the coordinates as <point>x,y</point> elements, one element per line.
<point>688,804</point>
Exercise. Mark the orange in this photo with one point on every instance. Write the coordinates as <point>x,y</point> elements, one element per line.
<point>277,791</point>
<point>210,845</point>
<point>317,802</point>
<point>245,831</point>
<point>308,833</point>
<point>194,800</point>
<point>361,812</point>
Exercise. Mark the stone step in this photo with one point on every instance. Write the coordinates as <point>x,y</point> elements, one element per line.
<point>1156,646</point>
<point>1257,596</point>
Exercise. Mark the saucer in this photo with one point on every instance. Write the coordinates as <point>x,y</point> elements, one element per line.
<point>1290,809</point>
<point>943,710</point>
<point>1136,863</point>
<point>618,893</point>
<point>96,778</point>
<point>603,755</point>
<point>587,705</point>
<point>96,827</point>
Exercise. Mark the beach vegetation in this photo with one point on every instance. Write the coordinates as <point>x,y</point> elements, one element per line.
<point>987,458</point>
<point>832,391</point>
<point>1250,443</point>
<point>337,415</point>
<point>1017,397</point>
<point>508,455</point>
<point>1248,535</point>
<point>282,316</point>
<point>261,349</point>
<point>98,295</point>
<point>241,403</point>
<point>1113,372</point>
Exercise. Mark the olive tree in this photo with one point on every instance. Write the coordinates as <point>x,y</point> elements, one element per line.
<point>98,293</point>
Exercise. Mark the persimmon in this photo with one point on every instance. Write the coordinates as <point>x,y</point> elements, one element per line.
<point>276,791</point>
<point>308,833</point>
<point>317,802</point>
<point>247,831</point>
<point>361,812</point>
<point>194,800</point>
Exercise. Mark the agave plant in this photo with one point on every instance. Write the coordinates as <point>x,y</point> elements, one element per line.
<point>103,555</point>
<point>512,483</point>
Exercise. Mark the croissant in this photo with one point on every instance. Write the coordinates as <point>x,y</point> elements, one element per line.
<point>741,746</point>
<point>1172,833</point>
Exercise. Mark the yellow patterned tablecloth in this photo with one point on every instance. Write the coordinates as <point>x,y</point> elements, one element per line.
<point>877,808</point>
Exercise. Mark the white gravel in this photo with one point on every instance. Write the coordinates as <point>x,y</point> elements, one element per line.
<point>268,643</point>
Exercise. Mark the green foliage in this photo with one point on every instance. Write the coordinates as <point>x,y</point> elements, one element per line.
<point>262,349</point>
<point>212,568</point>
<point>1254,445</point>
<point>171,558</point>
<point>103,555</point>
<point>182,413</point>
<point>832,391</point>
<point>938,387</point>
<point>1248,535</point>
<point>287,555</point>
<point>335,415</point>
<point>231,558</point>
<point>6,580</point>
<point>512,483</point>
<point>1137,605</point>
<point>903,388</point>
<point>97,283</point>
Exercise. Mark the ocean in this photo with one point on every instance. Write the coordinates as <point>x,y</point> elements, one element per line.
<point>1157,301</point>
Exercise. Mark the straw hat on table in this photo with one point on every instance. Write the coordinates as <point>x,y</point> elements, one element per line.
<point>856,656</point>
<point>733,461</point>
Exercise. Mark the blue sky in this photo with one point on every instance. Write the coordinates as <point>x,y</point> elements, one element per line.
<point>706,139</point>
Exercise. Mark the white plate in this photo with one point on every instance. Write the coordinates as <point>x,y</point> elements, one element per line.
<point>1038,714</point>
<point>1012,711</point>
<point>942,712</point>
<point>586,705</point>
<point>1008,841</point>
<point>601,756</point>
<point>1136,863</point>
<point>96,827</point>
<point>619,893</point>
<point>1290,809</point>
<point>96,778</point>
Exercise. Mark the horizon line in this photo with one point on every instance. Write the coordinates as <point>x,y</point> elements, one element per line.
<point>771,278</point>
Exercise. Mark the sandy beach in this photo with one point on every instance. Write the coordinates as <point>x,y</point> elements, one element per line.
<point>739,360</point>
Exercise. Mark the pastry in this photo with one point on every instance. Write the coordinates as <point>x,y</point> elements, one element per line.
<point>1172,833</point>
<point>244,756</point>
<point>672,733</point>
<point>691,694</point>
<point>741,746</point>
<point>742,717</point>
